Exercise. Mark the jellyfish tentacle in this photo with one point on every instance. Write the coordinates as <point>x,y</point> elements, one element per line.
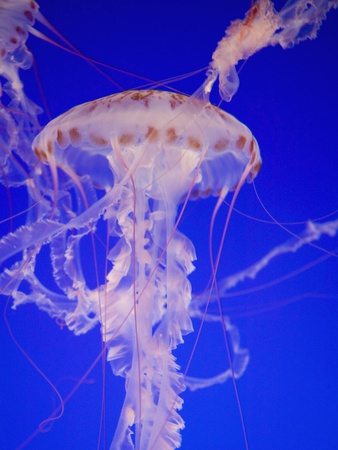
<point>313,232</point>
<point>240,358</point>
<point>164,293</point>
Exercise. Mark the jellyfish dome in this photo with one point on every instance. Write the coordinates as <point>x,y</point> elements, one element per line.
<point>146,152</point>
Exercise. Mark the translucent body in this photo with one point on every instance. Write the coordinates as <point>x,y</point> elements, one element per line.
<point>147,150</point>
<point>16,16</point>
<point>18,114</point>
<point>262,27</point>
<point>80,310</point>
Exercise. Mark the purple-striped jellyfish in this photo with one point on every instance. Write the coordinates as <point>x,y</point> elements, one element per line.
<point>109,184</point>
<point>146,151</point>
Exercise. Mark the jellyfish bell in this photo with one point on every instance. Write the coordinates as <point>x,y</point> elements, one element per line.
<point>147,150</point>
<point>18,114</point>
<point>16,17</point>
<point>150,119</point>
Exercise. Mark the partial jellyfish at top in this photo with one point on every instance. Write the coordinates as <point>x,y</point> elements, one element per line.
<point>110,184</point>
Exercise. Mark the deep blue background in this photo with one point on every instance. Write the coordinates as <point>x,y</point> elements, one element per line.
<point>289,100</point>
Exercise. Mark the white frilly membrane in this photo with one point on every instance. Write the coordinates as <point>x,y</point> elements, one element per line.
<point>128,161</point>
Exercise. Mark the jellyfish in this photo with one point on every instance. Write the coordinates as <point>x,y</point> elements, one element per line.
<point>115,176</point>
